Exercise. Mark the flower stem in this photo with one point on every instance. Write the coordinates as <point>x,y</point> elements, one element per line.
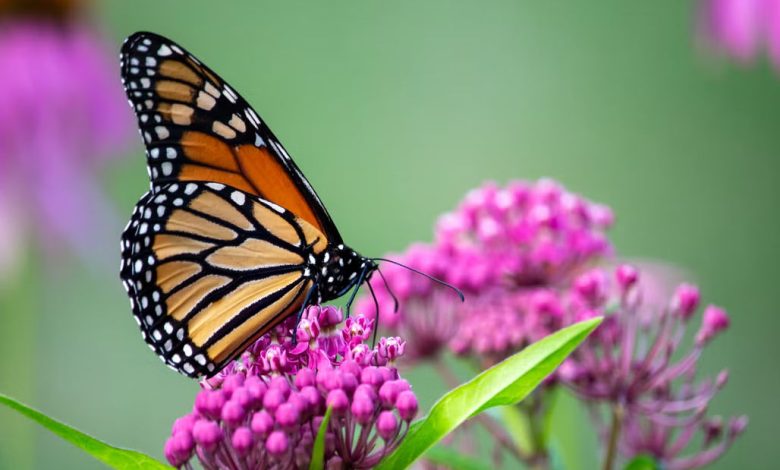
<point>539,459</point>
<point>491,425</point>
<point>614,432</point>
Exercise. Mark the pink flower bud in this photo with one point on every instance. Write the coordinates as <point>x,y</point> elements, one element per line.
<point>592,286</point>
<point>328,379</point>
<point>407,405</point>
<point>233,413</point>
<point>371,376</point>
<point>170,453</point>
<point>272,399</point>
<point>256,388</point>
<point>387,425</point>
<point>337,400</point>
<point>363,407</point>
<point>184,424</point>
<point>627,276</point>
<point>282,384</point>
<point>207,434</point>
<point>242,440</point>
<point>351,367</point>
<point>231,383</point>
<point>262,423</point>
<point>305,377</point>
<point>312,397</point>
<point>738,425</point>
<point>287,415</point>
<point>715,321</point>
<point>178,448</point>
<point>243,397</point>
<point>277,443</point>
<point>209,403</point>
<point>685,300</point>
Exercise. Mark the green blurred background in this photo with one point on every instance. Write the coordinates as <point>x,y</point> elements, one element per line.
<point>394,109</point>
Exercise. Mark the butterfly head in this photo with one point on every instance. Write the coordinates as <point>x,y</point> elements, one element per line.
<point>343,268</point>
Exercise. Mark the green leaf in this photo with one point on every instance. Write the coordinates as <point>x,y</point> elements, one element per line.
<point>112,456</point>
<point>505,383</point>
<point>452,459</point>
<point>318,451</point>
<point>642,462</point>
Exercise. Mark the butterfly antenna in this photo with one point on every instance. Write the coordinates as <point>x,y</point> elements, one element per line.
<point>434,279</point>
<point>387,288</point>
<point>357,286</point>
<point>376,318</point>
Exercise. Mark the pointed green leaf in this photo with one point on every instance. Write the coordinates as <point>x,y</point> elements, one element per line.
<point>318,451</point>
<point>112,456</point>
<point>505,383</point>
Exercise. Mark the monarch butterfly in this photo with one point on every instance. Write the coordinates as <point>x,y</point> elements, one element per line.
<point>231,239</point>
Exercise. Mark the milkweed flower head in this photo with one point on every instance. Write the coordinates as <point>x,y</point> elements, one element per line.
<point>742,29</point>
<point>62,116</point>
<point>265,409</point>
<point>636,361</point>
<point>506,248</point>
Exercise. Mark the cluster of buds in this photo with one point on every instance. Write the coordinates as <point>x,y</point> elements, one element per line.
<point>526,234</point>
<point>634,364</point>
<point>504,247</point>
<point>264,410</point>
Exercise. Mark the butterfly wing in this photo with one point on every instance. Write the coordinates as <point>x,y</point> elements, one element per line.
<point>197,128</point>
<point>210,268</point>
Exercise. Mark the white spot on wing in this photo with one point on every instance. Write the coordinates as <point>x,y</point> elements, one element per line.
<point>238,197</point>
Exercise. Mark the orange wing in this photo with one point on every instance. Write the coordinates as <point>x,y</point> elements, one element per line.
<point>209,269</point>
<point>197,128</point>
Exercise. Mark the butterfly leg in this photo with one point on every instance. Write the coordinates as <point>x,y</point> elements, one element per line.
<point>300,313</point>
<point>355,291</point>
<point>376,318</point>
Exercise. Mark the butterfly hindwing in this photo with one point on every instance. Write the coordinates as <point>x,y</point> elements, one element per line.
<point>197,128</point>
<point>209,268</point>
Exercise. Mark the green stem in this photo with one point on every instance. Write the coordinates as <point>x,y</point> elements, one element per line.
<point>540,459</point>
<point>491,425</point>
<point>614,432</point>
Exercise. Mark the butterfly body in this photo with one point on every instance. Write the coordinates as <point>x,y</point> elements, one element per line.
<point>231,239</point>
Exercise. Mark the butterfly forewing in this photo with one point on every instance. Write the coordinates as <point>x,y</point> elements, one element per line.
<point>210,268</point>
<point>197,128</point>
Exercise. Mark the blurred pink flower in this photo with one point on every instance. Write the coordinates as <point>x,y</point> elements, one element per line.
<point>62,115</point>
<point>506,248</point>
<point>635,364</point>
<point>742,28</point>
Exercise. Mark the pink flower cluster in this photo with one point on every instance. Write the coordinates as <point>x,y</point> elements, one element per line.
<point>633,362</point>
<point>264,410</point>
<point>504,247</point>
<point>742,28</point>
<point>524,256</point>
<point>62,117</point>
